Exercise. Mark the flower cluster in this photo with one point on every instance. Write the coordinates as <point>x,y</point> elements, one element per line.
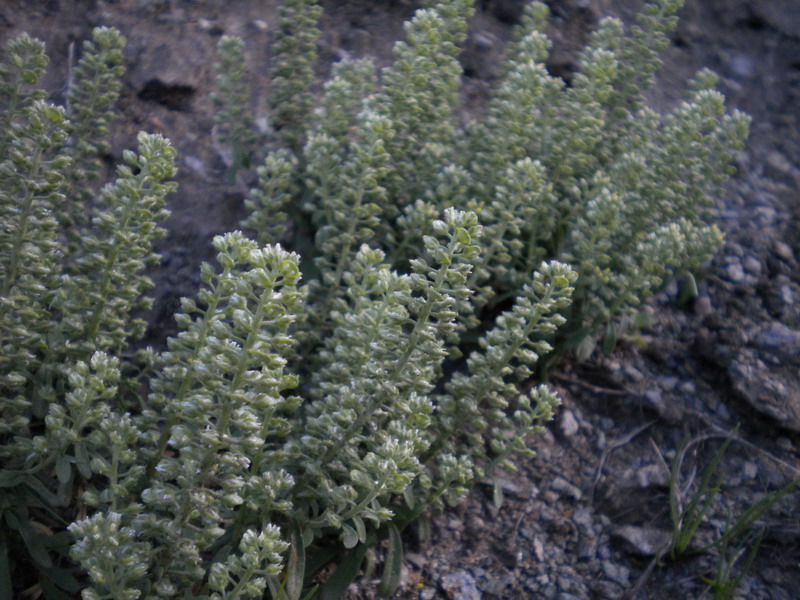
<point>290,418</point>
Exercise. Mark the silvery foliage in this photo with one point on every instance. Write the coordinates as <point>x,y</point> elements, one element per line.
<point>201,470</point>
<point>584,173</point>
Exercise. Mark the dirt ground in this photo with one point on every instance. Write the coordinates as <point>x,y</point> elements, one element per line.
<point>583,519</point>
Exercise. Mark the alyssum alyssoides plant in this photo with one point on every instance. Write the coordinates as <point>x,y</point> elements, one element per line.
<point>231,465</point>
<point>582,172</point>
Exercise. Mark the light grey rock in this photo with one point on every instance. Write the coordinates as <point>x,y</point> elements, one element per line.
<point>568,423</point>
<point>616,573</point>
<point>778,339</point>
<point>772,391</point>
<point>654,475</point>
<point>583,518</point>
<point>633,373</point>
<point>783,250</point>
<point>722,412</point>
<point>742,66</point>
<point>750,470</point>
<point>566,488</point>
<point>735,272</point>
<point>645,541</point>
<point>752,265</point>
<point>461,585</point>
<point>427,593</point>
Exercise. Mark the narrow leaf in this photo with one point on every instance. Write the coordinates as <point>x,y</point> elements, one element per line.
<point>361,529</point>
<point>344,575</point>
<point>33,542</point>
<point>64,469</point>
<point>350,537</point>
<point>497,495</point>
<point>393,565</point>
<point>296,565</point>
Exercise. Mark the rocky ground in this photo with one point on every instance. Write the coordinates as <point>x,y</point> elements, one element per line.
<point>586,518</point>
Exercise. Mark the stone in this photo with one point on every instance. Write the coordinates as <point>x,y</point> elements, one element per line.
<point>583,518</point>
<point>752,265</point>
<point>742,66</point>
<point>772,391</point>
<point>735,272</point>
<point>566,488</point>
<point>750,470</point>
<point>654,475</point>
<point>644,541</point>
<point>568,424</point>
<point>633,373</point>
<point>427,593</point>
<point>703,306</point>
<point>538,549</point>
<point>783,250</point>
<point>616,573</point>
<point>778,339</point>
<point>461,585</point>
<point>787,295</point>
<point>779,162</point>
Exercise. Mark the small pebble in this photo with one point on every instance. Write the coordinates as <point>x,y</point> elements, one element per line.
<point>460,585</point>
<point>604,552</point>
<point>566,488</point>
<point>651,476</point>
<point>669,383</point>
<point>645,541</point>
<point>601,442</point>
<point>484,41</point>
<point>538,549</point>
<point>735,272</point>
<point>722,412</point>
<point>752,265</point>
<point>633,373</point>
<point>742,66</point>
<point>703,306</point>
<point>607,423</point>
<point>779,162</point>
<point>583,517</point>
<point>568,424</point>
<point>616,573</point>
<point>655,399</point>
<point>427,593</point>
<point>455,524</point>
<point>783,250</point>
<point>787,295</point>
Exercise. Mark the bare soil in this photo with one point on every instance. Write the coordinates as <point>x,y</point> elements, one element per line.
<point>584,518</point>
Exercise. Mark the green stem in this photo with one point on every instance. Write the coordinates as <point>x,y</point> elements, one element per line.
<point>105,285</point>
<point>22,230</point>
